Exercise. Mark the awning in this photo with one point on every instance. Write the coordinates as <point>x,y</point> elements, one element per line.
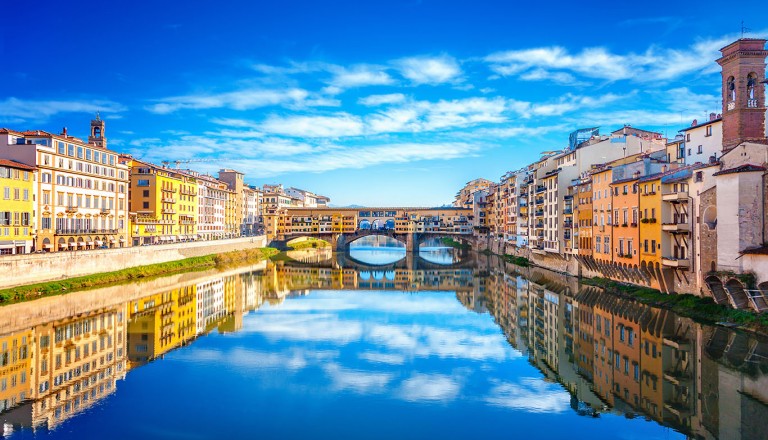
<point>72,244</point>
<point>112,240</point>
<point>48,246</point>
<point>90,243</point>
<point>62,245</point>
<point>99,242</point>
<point>81,243</point>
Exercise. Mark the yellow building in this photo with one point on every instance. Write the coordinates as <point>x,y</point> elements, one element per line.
<point>163,204</point>
<point>160,322</point>
<point>77,362</point>
<point>16,207</point>
<point>650,227</point>
<point>15,369</point>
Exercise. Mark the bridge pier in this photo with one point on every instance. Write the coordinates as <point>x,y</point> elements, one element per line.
<point>412,243</point>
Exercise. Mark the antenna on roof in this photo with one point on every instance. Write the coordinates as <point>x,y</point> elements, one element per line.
<point>744,29</point>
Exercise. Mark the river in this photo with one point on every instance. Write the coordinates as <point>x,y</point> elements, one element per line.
<point>372,344</point>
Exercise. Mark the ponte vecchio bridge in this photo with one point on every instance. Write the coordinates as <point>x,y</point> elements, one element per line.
<point>342,226</point>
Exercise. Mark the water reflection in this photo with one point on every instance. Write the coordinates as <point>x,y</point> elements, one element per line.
<point>377,250</point>
<point>395,344</point>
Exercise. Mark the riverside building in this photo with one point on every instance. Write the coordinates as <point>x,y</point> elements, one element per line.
<point>163,204</point>
<point>80,195</point>
<point>16,207</point>
<point>688,215</point>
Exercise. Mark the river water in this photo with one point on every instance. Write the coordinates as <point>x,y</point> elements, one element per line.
<point>372,344</point>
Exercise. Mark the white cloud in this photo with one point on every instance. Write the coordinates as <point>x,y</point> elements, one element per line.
<point>382,358</point>
<point>376,100</point>
<point>246,99</point>
<point>429,69</point>
<point>363,382</point>
<point>338,125</point>
<point>531,394</point>
<point>17,110</point>
<point>305,327</point>
<point>429,387</point>
<point>358,76</point>
<point>558,64</point>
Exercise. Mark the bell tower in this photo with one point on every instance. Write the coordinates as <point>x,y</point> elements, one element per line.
<point>743,71</point>
<point>97,132</point>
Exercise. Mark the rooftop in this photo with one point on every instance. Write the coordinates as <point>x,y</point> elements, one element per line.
<point>740,169</point>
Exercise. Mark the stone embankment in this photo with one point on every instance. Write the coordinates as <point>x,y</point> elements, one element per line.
<point>553,262</point>
<point>17,270</point>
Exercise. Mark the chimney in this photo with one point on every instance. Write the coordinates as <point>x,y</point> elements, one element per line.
<point>712,116</point>
<point>695,123</point>
<point>64,131</point>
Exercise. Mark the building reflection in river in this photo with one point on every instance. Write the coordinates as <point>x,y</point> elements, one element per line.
<point>610,355</point>
<point>624,357</point>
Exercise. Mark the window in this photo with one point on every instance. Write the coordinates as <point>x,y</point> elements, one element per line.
<point>700,149</point>
<point>60,147</point>
<point>145,205</point>
<point>699,176</point>
<point>143,182</point>
<point>709,131</point>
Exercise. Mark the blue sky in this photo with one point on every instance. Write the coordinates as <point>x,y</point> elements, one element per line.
<point>369,102</point>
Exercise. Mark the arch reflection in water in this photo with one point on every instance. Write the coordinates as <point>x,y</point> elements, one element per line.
<point>434,251</point>
<point>377,249</point>
<point>346,339</point>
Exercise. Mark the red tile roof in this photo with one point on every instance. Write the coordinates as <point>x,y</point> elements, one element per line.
<point>740,169</point>
<point>14,164</point>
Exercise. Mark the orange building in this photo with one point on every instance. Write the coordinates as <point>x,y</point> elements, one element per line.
<point>626,233</point>
<point>602,207</point>
<point>584,216</point>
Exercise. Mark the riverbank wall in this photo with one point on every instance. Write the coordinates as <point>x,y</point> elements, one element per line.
<point>18,270</point>
<point>566,265</point>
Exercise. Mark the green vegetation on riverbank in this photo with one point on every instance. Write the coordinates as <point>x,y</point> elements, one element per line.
<point>520,261</point>
<point>309,243</point>
<point>696,307</point>
<point>448,241</point>
<point>227,259</point>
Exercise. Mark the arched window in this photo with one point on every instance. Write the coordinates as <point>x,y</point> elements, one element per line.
<point>96,132</point>
<point>731,88</point>
<point>751,85</point>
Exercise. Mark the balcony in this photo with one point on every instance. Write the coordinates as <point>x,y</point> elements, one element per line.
<point>540,201</point>
<point>540,213</point>
<point>539,225</point>
<point>170,190</point>
<point>168,200</point>
<point>104,210</point>
<point>568,211</point>
<point>675,197</point>
<point>168,211</point>
<point>676,228</point>
<point>71,209</point>
<point>540,189</point>
<point>85,231</point>
<point>567,224</point>
<point>678,263</point>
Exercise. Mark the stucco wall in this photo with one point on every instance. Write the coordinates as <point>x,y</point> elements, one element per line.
<point>32,268</point>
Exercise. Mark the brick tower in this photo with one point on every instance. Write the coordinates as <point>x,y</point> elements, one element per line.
<point>743,71</point>
<point>97,132</point>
